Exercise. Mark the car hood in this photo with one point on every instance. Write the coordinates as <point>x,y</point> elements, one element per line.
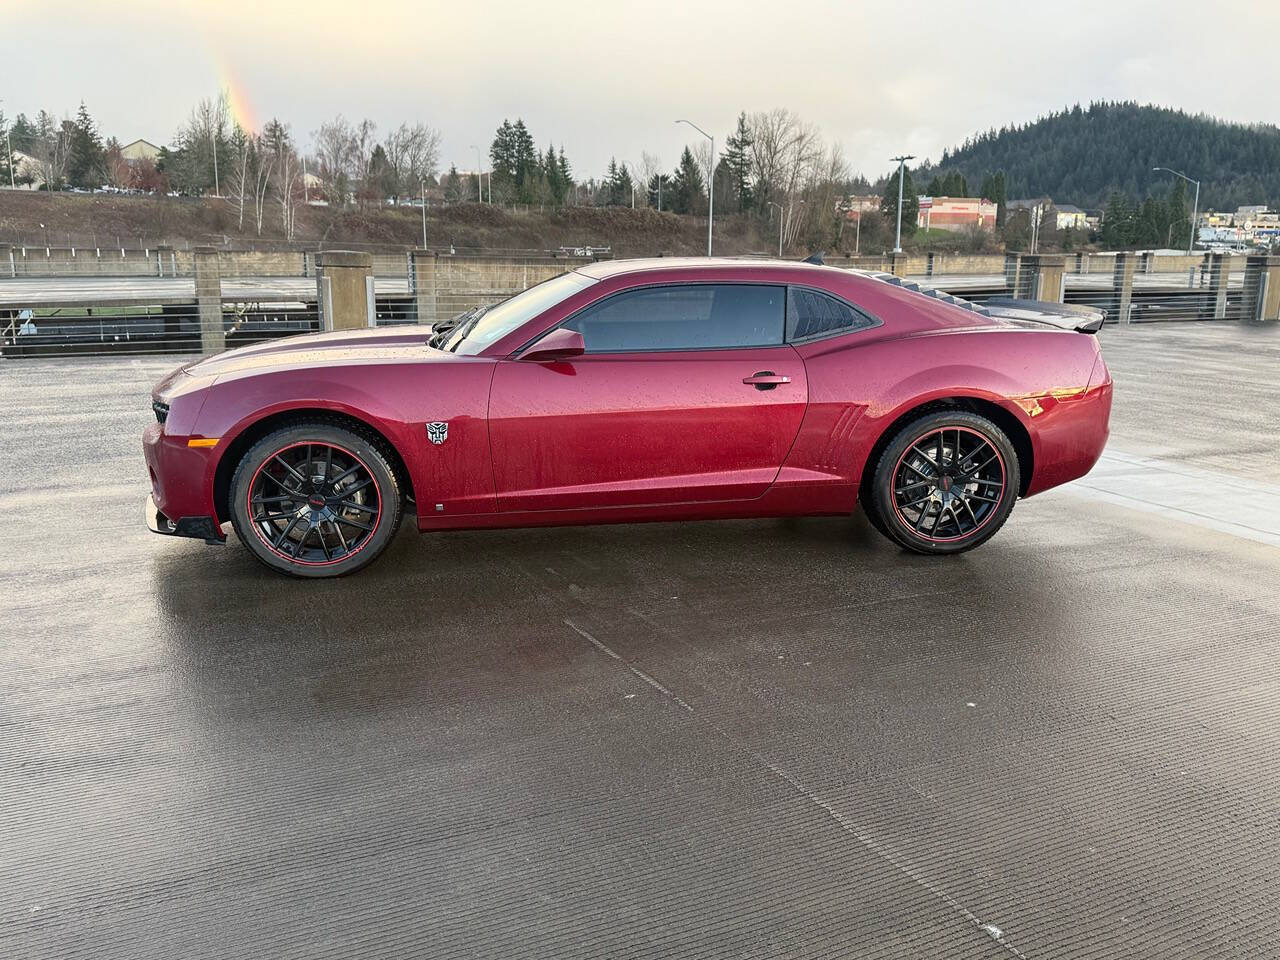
<point>407,343</point>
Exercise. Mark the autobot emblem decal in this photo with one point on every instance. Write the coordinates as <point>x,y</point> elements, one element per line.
<point>438,431</point>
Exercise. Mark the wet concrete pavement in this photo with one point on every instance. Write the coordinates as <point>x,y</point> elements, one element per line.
<point>766,738</point>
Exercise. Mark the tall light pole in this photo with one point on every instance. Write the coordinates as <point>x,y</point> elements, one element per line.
<point>8,157</point>
<point>480,177</point>
<point>711,180</point>
<point>422,184</point>
<point>1195,210</point>
<point>902,165</point>
<point>779,206</point>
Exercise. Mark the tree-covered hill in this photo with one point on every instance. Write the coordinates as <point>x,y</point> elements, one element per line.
<point>1083,155</point>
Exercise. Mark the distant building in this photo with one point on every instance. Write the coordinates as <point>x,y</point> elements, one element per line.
<point>1035,205</point>
<point>955,213</point>
<point>855,205</point>
<point>1068,217</point>
<point>140,150</point>
<point>1249,212</point>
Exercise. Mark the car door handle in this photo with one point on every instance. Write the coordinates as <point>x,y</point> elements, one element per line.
<point>765,380</point>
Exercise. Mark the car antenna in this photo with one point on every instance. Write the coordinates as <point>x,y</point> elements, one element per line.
<point>815,258</point>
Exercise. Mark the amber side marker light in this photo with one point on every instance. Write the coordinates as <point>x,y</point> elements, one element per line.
<point>203,441</point>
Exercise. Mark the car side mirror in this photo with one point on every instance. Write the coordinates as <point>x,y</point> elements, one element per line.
<point>559,344</point>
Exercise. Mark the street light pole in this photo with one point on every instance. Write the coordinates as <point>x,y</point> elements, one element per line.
<point>480,178</point>
<point>1195,210</point>
<point>422,184</point>
<point>9,155</point>
<point>779,206</point>
<point>902,165</point>
<point>711,180</point>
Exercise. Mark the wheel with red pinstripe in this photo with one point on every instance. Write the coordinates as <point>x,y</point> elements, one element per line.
<point>946,483</point>
<point>315,500</point>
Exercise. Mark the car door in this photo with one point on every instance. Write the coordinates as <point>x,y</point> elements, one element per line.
<point>686,393</point>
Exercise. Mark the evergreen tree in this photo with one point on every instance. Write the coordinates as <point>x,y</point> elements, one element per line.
<point>934,188</point>
<point>453,185</point>
<point>686,186</point>
<point>954,185</point>
<point>563,174</point>
<point>993,190</point>
<point>555,184</point>
<point>22,135</point>
<point>1117,223</point>
<point>527,169</point>
<point>1177,216</point>
<point>382,181</point>
<point>618,185</point>
<point>502,160</point>
<point>910,202</point>
<point>85,158</point>
<point>737,163</point>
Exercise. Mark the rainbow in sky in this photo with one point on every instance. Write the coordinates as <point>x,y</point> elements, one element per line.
<point>237,98</point>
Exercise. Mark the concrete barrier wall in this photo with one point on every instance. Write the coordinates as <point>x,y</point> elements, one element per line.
<point>447,285</point>
<point>82,262</point>
<point>238,263</point>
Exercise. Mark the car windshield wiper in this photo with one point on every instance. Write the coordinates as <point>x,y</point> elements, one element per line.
<point>441,329</point>
<point>463,328</point>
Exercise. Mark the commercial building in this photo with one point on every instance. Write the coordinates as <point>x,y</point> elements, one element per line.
<point>955,213</point>
<point>140,150</point>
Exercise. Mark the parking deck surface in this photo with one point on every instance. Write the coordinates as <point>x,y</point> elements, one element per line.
<point>728,739</point>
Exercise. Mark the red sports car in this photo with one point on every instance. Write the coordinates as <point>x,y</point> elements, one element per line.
<point>636,390</point>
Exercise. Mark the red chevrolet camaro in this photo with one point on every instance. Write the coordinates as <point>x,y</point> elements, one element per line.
<point>636,390</point>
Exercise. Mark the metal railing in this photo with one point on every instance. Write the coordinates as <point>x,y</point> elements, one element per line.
<point>52,314</point>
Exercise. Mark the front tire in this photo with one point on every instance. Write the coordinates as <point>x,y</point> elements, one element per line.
<point>315,500</point>
<point>946,483</point>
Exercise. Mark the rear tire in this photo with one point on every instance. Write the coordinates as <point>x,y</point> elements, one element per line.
<point>946,483</point>
<point>315,500</point>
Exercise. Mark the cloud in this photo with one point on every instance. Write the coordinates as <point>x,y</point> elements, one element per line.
<point>610,79</point>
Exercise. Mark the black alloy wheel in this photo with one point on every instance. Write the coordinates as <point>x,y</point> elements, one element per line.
<point>315,500</point>
<point>945,483</point>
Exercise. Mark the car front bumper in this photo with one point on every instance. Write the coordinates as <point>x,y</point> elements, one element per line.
<point>202,528</point>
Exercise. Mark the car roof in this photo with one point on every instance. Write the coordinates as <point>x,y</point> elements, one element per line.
<point>604,269</point>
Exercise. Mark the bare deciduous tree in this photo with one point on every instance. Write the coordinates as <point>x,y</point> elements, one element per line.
<point>261,181</point>
<point>240,177</point>
<point>335,148</point>
<point>413,154</point>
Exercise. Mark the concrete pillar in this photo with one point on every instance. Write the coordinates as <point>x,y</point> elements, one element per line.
<point>8,263</point>
<point>422,282</point>
<point>1122,287</point>
<point>164,257</point>
<point>928,266</point>
<point>208,275</point>
<point>1219,271</point>
<point>344,290</point>
<point>1043,276</point>
<point>1261,301</point>
<point>1013,273</point>
<point>898,264</point>
<point>1147,261</point>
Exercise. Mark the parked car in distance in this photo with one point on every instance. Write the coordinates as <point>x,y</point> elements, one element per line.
<point>627,391</point>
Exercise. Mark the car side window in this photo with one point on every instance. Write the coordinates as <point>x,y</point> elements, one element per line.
<point>686,316</point>
<point>811,313</point>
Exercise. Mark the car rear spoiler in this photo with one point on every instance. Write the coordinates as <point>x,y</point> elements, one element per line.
<point>1064,316</point>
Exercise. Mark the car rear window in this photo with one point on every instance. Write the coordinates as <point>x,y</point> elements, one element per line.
<point>690,316</point>
<point>811,313</point>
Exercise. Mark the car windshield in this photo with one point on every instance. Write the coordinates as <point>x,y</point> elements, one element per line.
<point>500,319</point>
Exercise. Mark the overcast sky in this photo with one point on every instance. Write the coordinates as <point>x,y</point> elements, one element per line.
<point>609,78</point>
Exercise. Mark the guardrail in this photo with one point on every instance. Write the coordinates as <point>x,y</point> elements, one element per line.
<point>208,299</point>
